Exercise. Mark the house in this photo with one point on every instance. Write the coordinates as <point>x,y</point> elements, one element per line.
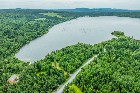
<point>13,79</point>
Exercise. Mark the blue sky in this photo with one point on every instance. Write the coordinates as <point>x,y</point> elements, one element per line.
<point>54,4</point>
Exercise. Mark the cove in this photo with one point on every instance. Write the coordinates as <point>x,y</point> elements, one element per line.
<point>89,30</point>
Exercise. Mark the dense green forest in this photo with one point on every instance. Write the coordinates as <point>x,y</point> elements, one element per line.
<point>19,27</point>
<point>47,74</point>
<point>116,70</point>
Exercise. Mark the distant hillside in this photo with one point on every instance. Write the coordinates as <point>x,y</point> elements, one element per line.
<point>97,10</point>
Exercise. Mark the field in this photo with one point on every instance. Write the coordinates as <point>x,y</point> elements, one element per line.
<point>52,14</point>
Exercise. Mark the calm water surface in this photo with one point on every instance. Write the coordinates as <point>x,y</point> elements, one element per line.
<point>90,30</point>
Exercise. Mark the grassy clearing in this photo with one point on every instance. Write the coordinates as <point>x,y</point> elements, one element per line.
<point>74,89</point>
<point>42,72</point>
<point>40,19</point>
<point>52,14</point>
<point>56,65</point>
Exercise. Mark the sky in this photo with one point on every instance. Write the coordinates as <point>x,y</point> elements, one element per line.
<point>69,4</point>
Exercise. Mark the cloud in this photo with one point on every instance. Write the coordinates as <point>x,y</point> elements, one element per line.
<point>47,4</point>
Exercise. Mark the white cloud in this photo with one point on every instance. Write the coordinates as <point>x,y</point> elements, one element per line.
<point>47,4</point>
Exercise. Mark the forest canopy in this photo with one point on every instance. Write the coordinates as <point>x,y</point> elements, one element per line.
<point>114,71</point>
<point>20,26</point>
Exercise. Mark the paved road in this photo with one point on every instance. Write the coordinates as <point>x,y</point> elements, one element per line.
<point>61,88</point>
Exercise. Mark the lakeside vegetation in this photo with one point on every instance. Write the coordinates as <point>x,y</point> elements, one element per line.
<point>114,71</point>
<point>19,27</point>
<point>47,74</point>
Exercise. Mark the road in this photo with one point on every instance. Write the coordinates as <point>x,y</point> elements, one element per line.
<point>61,88</point>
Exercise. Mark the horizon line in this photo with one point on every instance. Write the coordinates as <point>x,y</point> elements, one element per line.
<point>70,8</point>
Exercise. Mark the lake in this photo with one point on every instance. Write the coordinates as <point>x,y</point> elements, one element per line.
<point>89,30</point>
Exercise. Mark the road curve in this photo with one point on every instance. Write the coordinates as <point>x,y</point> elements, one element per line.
<point>61,88</point>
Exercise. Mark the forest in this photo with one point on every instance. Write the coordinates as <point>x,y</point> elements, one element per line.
<point>19,27</point>
<point>116,70</point>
